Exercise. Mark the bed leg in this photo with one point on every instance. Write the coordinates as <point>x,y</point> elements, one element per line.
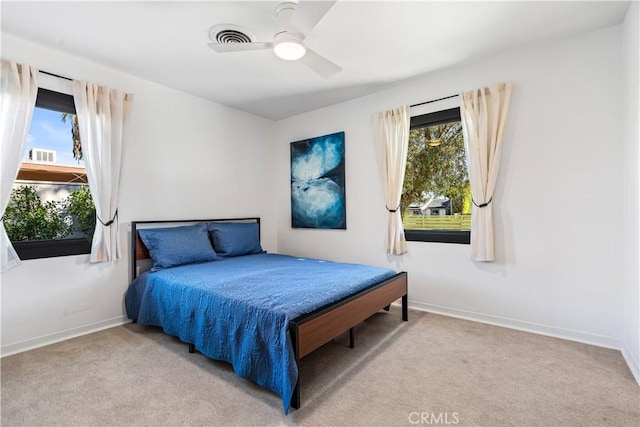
<point>192,348</point>
<point>387,307</point>
<point>352,338</point>
<point>405,313</point>
<point>295,399</point>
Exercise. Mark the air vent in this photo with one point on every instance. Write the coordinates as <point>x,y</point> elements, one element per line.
<point>229,33</point>
<point>40,155</point>
<point>232,36</point>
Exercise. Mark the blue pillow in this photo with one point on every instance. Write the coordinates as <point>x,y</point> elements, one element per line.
<point>235,238</point>
<point>170,247</point>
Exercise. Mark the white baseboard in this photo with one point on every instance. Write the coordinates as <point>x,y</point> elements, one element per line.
<point>41,341</point>
<point>632,362</point>
<point>567,334</point>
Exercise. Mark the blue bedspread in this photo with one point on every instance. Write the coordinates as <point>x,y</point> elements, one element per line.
<point>238,309</point>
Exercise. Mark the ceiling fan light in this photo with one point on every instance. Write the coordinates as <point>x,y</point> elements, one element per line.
<point>434,142</point>
<point>289,50</point>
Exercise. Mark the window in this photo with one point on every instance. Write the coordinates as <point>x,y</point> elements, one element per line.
<point>51,212</point>
<point>436,198</point>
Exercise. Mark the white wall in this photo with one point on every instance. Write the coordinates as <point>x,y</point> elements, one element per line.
<point>631,45</point>
<point>558,223</point>
<point>184,158</point>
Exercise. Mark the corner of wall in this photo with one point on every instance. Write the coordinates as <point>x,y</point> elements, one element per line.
<point>631,212</point>
<point>632,362</point>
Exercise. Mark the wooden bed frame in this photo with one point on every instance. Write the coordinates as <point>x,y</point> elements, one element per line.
<point>313,330</point>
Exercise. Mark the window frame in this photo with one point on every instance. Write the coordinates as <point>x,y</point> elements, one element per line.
<point>37,249</point>
<point>437,236</point>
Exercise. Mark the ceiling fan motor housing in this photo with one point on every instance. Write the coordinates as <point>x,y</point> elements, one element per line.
<point>284,12</point>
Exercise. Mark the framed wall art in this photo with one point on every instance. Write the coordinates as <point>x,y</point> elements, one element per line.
<point>318,183</point>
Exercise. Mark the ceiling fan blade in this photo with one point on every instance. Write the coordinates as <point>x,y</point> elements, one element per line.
<point>309,14</point>
<point>320,64</point>
<point>239,47</point>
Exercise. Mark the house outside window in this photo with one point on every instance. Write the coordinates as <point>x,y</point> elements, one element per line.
<point>436,199</point>
<point>51,212</point>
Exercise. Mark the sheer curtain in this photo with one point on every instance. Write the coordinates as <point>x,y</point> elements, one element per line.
<point>392,141</point>
<point>18,92</point>
<point>484,113</point>
<point>101,113</point>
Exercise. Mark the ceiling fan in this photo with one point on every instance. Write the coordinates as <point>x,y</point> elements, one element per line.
<point>288,40</point>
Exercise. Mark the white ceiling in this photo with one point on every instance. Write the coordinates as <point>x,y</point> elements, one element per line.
<point>376,42</point>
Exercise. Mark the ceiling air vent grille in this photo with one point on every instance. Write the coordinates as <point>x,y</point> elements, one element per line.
<point>232,36</point>
<point>228,33</point>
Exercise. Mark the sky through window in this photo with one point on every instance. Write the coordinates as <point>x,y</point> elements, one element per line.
<point>49,132</point>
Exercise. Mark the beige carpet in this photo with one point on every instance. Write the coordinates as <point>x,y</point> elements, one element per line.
<point>432,370</point>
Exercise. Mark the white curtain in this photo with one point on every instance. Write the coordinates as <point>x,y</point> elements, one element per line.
<point>18,92</point>
<point>484,113</point>
<point>101,113</point>
<point>392,141</point>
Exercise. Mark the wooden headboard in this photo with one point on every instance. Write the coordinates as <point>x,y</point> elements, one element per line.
<point>139,251</point>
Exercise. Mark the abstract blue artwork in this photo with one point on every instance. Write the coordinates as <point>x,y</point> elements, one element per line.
<point>317,183</point>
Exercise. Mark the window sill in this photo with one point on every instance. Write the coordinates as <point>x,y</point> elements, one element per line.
<point>52,248</point>
<point>438,236</point>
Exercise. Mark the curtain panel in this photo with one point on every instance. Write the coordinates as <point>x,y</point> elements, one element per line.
<point>391,143</point>
<point>101,114</point>
<point>484,113</point>
<point>18,92</point>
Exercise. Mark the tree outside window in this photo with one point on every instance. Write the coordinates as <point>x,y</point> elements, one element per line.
<point>436,193</point>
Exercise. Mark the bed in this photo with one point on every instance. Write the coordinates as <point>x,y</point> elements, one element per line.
<point>211,285</point>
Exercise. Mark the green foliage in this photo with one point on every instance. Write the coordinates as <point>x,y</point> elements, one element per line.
<point>80,205</point>
<point>437,171</point>
<point>466,203</point>
<point>28,218</point>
